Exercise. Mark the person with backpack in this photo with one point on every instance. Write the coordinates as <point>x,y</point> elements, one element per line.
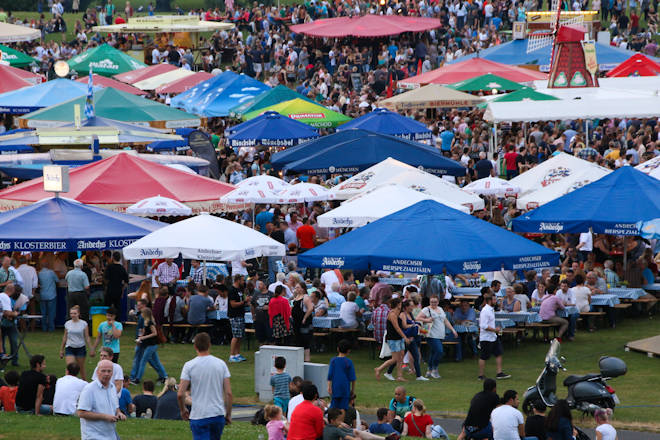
<point>399,406</point>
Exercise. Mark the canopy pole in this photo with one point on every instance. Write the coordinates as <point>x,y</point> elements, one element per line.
<point>495,138</point>
<point>204,273</point>
<point>586,132</point>
<point>625,258</point>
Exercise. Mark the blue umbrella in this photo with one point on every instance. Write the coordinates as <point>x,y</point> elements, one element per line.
<point>611,205</point>
<point>59,224</point>
<point>273,130</point>
<point>649,229</point>
<point>216,96</point>
<point>385,121</point>
<point>46,94</point>
<point>171,146</point>
<point>427,238</point>
<point>15,149</point>
<point>352,151</point>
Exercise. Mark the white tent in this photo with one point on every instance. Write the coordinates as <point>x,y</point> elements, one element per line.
<point>250,194</point>
<point>376,203</point>
<point>305,192</point>
<point>648,85</point>
<point>264,181</point>
<point>586,108</point>
<point>563,172</point>
<point>164,78</point>
<point>204,237</point>
<point>159,206</point>
<point>393,171</point>
<point>11,33</point>
<point>651,167</point>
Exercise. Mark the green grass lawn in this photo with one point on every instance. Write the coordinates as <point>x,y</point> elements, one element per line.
<point>449,395</point>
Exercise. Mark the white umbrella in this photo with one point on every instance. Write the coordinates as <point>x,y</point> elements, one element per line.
<point>377,203</point>
<point>650,167</point>
<point>204,237</point>
<point>158,207</point>
<point>264,182</point>
<point>250,194</point>
<point>305,192</point>
<point>11,33</point>
<point>492,186</point>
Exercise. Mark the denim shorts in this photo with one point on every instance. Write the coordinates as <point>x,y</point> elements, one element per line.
<point>79,352</point>
<point>396,345</point>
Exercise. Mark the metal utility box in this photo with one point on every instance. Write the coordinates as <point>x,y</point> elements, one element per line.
<point>318,375</point>
<point>264,367</point>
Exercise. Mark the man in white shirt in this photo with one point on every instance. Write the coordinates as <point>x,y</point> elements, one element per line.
<point>488,340</point>
<point>98,406</point>
<point>67,391</point>
<point>106,353</point>
<point>155,56</point>
<point>280,277</point>
<point>585,245</point>
<point>210,391</point>
<point>507,421</point>
<point>328,278</point>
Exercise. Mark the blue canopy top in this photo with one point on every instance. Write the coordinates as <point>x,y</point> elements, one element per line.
<point>29,99</point>
<point>216,96</point>
<point>351,151</point>
<point>15,149</point>
<point>427,238</point>
<point>59,224</point>
<point>271,129</point>
<point>515,53</point>
<point>385,121</point>
<point>611,205</point>
<point>164,146</point>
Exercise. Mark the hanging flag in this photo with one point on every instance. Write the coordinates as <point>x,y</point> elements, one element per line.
<point>390,87</point>
<point>89,102</point>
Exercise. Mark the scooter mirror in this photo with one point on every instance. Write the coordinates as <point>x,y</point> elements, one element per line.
<point>563,359</point>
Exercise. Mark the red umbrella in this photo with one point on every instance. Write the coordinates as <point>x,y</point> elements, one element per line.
<point>10,81</point>
<point>124,179</point>
<point>452,73</point>
<point>636,65</point>
<point>366,26</point>
<point>30,77</point>
<point>134,76</point>
<point>104,81</point>
<point>183,84</point>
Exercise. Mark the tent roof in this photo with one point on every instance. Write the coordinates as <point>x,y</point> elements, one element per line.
<point>115,104</point>
<point>470,68</point>
<point>636,65</point>
<point>400,242</point>
<point>10,33</point>
<point>9,81</point>
<point>217,95</point>
<point>304,111</point>
<point>164,24</point>
<point>515,53</point>
<point>271,129</point>
<point>162,79</point>
<point>270,97</point>
<point>104,60</point>
<point>524,111</point>
<point>122,180</point>
<point>524,94</point>
<point>104,81</point>
<point>134,76</point>
<point>15,58</point>
<point>66,225</point>
<point>650,167</point>
<point>182,84</point>
<point>30,77</point>
<point>42,95</point>
<point>486,82</point>
<point>384,121</point>
<point>611,205</point>
<point>366,26</point>
<point>430,96</point>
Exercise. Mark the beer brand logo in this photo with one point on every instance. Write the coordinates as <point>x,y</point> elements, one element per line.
<point>471,266</point>
<point>104,64</point>
<point>551,226</point>
<point>555,175</point>
<point>333,261</point>
<point>149,253</point>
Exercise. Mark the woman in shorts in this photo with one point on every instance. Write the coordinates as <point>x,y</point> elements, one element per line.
<point>75,341</point>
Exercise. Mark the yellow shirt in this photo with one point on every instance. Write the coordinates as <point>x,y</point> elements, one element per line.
<point>614,154</point>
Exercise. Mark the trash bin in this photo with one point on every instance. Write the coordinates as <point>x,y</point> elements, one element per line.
<point>98,316</point>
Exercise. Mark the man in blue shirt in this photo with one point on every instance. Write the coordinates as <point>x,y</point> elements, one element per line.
<point>78,285</point>
<point>98,405</point>
<point>262,218</point>
<point>383,425</point>
<point>48,293</point>
<point>447,137</point>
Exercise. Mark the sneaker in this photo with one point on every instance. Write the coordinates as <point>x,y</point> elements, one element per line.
<point>502,376</point>
<point>234,359</point>
<point>388,376</point>
<point>435,375</point>
<point>421,378</point>
<point>161,380</point>
<point>428,373</point>
<point>134,382</point>
<point>480,378</point>
<point>241,358</point>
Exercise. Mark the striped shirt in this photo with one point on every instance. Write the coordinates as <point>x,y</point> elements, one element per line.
<point>167,273</point>
<point>280,383</point>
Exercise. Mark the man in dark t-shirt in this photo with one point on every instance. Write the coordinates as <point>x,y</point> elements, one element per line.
<point>31,386</point>
<point>115,277</point>
<point>483,166</point>
<point>259,306</point>
<point>146,401</point>
<point>477,423</point>
<point>236,314</point>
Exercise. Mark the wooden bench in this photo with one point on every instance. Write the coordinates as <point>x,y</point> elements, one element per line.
<point>515,332</point>
<point>544,327</point>
<point>373,344</point>
<point>588,315</point>
<point>249,332</point>
<point>196,327</point>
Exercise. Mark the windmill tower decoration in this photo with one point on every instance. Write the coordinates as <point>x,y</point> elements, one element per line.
<point>573,59</point>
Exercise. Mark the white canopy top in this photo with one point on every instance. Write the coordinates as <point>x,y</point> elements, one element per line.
<point>651,167</point>
<point>554,170</point>
<point>305,192</point>
<point>265,182</point>
<point>250,194</point>
<point>204,237</point>
<point>11,33</point>
<point>164,78</point>
<point>165,23</point>
<point>376,203</point>
<point>642,84</point>
<point>158,206</point>
<point>587,108</point>
<point>492,186</point>
<point>393,171</point>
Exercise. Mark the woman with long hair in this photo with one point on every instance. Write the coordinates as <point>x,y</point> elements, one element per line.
<point>439,324</point>
<point>75,341</point>
<point>147,349</point>
<point>144,292</point>
<point>411,329</point>
<point>559,422</point>
<point>417,423</point>
<point>167,407</point>
<point>302,314</point>
<point>396,340</point>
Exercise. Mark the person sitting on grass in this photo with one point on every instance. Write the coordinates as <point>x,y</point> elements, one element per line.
<point>336,429</point>
<point>30,394</point>
<point>277,425</point>
<point>68,390</point>
<point>383,425</point>
<point>168,405</point>
<point>8,392</point>
<point>417,423</point>
<point>125,401</point>
<point>400,405</point>
<point>146,403</point>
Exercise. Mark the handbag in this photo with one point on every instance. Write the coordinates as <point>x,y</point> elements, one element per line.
<point>385,348</point>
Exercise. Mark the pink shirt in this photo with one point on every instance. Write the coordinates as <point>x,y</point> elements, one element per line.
<point>549,306</point>
<point>275,430</point>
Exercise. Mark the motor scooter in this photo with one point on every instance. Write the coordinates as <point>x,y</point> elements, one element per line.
<point>586,393</point>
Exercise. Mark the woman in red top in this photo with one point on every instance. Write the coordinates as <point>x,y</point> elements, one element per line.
<point>279,312</point>
<point>417,423</point>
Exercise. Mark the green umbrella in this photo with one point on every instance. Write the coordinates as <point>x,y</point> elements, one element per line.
<point>104,60</point>
<point>486,83</point>
<point>15,58</point>
<point>524,94</point>
<point>266,99</point>
<point>114,104</point>
<point>304,111</point>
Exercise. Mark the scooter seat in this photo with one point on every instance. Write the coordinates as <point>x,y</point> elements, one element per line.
<point>573,379</point>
